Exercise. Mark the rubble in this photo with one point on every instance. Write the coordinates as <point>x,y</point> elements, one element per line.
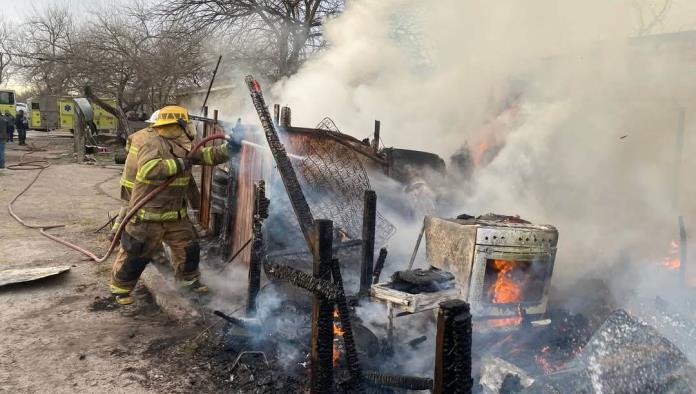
<point>624,355</point>
<point>304,280</point>
<point>495,371</point>
<point>399,381</point>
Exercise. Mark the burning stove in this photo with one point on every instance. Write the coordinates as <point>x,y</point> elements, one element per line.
<point>502,264</point>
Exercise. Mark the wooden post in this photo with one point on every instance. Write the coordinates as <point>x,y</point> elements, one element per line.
<point>322,313</point>
<point>79,136</point>
<point>260,213</point>
<point>453,349</point>
<point>276,113</point>
<point>682,251</point>
<point>376,138</point>
<point>285,117</point>
<point>368,240</point>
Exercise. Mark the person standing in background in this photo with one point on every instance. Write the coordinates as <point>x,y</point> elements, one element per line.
<point>21,126</point>
<point>10,125</point>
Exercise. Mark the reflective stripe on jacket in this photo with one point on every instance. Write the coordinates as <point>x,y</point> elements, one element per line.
<point>156,162</point>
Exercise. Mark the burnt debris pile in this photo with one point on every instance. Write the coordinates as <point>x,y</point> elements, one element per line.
<point>474,316</point>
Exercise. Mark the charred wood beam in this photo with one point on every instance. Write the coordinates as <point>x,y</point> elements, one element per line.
<point>453,349</point>
<point>379,265</point>
<point>260,213</point>
<point>322,314</point>
<point>376,137</point>
<point>250,324</point>
<point>348,339</point>
<point>368,238</point>
<point>285,117</point>
<point>303,280</point>
<point>285,168</point>
<point>417,341</point>
<point>228,215</point>
<point>399,381</point>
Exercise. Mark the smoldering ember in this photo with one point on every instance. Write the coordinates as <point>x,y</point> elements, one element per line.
<point>368,196</point>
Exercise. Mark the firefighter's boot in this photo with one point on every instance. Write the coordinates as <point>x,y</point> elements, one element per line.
<point>194,285</point>
<point>121,295</point>
<point>124,299</point>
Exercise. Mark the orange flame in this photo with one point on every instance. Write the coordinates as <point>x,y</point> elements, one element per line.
<point>506,321</point>
<point>505,289</point>
<point>672,260</point>
<point>479,152</point>
<point>338,333</point>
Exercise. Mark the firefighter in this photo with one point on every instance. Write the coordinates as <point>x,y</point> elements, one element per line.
<point>163,154</point>
<point>130,168</point>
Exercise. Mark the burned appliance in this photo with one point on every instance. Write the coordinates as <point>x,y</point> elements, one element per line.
<point>502,264</point>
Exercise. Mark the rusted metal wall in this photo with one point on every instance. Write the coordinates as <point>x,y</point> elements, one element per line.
<point>250,170</point>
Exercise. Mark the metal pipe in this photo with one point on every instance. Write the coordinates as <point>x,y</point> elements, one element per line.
<point>212,80</point>
<point>415,249</point>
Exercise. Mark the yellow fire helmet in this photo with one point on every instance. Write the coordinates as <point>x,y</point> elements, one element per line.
<point>170,115</point>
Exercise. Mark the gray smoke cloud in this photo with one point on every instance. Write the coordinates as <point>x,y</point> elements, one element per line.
<point>436,73</point>
<point>580,122</point>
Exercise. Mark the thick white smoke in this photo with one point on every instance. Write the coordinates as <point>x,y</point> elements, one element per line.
<point>435,72</point>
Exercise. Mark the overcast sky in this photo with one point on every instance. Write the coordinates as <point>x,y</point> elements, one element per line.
<point>682,14</point>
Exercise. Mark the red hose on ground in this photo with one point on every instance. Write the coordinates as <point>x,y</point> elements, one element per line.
<point>121,227</point>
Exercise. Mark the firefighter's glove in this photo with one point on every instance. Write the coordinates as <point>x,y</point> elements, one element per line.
<point>183,164</point>
<point>233,145</point>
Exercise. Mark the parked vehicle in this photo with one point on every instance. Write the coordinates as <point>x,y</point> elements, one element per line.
<point>7,101</point>
<point>56,112</point>
<point>22,107</point>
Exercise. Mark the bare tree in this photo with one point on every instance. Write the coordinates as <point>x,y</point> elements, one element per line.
<point>127,55</point>
<point>6,37</point>
<point>272,36</point>
<point>43,49</point>
<point>136,60</point>
<point>650,14</point>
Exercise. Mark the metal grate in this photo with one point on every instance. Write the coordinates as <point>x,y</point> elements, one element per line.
<point>334,180</point>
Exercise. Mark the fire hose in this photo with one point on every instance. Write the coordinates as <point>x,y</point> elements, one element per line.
<point>41,165</point>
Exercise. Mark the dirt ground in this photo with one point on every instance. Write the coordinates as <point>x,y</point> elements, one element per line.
<point>63,334</point>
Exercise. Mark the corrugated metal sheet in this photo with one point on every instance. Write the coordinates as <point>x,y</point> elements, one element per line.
<point>251,163</point>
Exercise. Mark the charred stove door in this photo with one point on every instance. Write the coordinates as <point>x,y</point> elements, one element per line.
<point>509,282</point>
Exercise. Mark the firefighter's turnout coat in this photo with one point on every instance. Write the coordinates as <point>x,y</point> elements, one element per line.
<point>152,159</point>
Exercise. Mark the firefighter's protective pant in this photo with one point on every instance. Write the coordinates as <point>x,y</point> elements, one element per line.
<point>142,239</point>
